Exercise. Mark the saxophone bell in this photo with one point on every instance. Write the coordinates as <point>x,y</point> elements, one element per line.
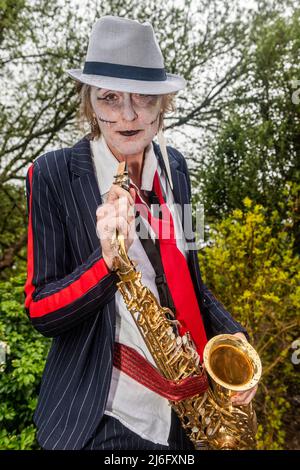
<point>233,365</point>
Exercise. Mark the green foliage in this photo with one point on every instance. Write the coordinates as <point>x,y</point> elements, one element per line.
<point>250,266</point>
<point>21,375</point>
<point>13,230</point>
<point>10,12</point>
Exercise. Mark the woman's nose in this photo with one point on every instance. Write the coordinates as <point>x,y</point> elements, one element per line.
<point>129,113</point>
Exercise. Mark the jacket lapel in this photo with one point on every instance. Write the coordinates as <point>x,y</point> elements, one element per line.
<point>181,196</point>
<point>180,188</point>
<point>85,188</point>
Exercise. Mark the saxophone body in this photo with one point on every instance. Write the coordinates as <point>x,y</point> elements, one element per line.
<point>231,364</point>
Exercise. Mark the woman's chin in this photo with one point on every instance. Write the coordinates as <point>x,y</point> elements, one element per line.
<point>132,148</point>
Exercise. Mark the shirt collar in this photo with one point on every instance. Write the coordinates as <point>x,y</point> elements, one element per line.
<point>106,165</point>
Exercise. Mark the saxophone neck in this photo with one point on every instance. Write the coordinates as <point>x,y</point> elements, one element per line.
<point>121,263</point>
<point>122,178</point>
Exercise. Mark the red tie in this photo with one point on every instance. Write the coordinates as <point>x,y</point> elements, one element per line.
<point>176,271</point>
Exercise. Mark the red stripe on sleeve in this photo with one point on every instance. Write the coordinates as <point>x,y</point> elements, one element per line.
<point>71,293</point>
<point>29,287</point>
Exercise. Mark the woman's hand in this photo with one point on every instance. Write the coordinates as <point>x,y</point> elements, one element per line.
<point>243,398</point>
<point>117,213</point>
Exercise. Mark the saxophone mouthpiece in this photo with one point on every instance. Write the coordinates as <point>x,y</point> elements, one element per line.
<point>126,183</point>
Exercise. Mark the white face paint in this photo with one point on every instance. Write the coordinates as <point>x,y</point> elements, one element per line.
<point>117,112</point>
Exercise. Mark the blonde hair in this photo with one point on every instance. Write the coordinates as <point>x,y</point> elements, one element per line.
<point>85,112</point>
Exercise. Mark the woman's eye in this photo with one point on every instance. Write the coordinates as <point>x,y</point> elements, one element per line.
<point>146,98</point>
<point>111,97</point>
<point>108,98</point>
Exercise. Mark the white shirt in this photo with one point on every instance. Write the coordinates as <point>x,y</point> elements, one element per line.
<point>138,408</point>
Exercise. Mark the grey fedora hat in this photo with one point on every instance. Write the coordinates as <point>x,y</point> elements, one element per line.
<point>124,55</point>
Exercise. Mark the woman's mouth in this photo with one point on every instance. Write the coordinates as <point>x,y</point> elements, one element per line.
<point>129,133</point>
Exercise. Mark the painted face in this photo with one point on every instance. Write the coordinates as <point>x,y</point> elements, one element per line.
<point>128,121</point>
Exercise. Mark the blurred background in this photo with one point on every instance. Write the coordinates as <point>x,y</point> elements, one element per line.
<point>238,125</point>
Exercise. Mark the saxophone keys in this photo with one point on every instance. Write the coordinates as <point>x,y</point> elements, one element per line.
<point>169,331</point>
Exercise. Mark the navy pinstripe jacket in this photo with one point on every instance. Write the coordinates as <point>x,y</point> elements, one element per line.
<point>70,293</point>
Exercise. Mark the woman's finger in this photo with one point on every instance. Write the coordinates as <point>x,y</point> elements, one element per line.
<point>244,398</point>
<point>116,192</point>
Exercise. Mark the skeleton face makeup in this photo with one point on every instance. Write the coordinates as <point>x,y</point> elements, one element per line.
<point>128,121</point>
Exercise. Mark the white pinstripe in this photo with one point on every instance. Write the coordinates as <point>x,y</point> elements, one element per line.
<point>58,403</point>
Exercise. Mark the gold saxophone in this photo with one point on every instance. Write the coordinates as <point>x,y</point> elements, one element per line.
<point>210,420</point>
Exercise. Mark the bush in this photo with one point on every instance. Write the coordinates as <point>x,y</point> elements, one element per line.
<point>21,374</point>
<point>249,264</point>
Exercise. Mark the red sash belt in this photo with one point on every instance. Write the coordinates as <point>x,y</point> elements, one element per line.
<point>135,366</point>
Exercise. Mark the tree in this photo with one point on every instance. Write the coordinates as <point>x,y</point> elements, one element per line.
<point>257,149</point>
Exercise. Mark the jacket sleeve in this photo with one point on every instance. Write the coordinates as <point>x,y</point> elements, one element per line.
<point>217,319</point>
<point>58,298</point>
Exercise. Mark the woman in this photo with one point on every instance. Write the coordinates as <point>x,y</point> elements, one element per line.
<point>85,400</point>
